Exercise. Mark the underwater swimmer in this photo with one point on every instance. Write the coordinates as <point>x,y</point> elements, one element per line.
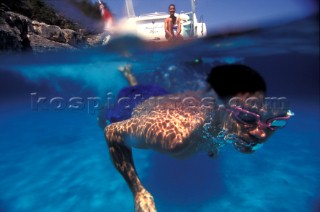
<point>183,124</point>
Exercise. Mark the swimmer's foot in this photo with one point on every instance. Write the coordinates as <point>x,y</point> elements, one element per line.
<point>122,68</point>
<point>144,202</point>
<point>126,70</point>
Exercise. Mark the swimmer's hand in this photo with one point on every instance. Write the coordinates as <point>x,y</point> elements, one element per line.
<point>144,202</point>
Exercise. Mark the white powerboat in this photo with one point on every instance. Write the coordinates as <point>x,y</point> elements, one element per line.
<point>150,26</point>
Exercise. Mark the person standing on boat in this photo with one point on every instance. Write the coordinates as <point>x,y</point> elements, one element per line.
<point>172,25</point>
<point>106,15</point>
<point>108,22</point>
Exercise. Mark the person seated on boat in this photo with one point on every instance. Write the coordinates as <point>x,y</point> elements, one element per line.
<point>172,25</point>
<point>183,124</point>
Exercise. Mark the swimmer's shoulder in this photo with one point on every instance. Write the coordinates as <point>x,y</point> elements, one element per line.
<point>172,102</point>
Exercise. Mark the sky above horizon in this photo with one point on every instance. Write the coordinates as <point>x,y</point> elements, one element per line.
<point>219,15</point>
<point>225,13</point>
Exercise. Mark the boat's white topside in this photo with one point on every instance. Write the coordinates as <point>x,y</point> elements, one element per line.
<point>151,26</point>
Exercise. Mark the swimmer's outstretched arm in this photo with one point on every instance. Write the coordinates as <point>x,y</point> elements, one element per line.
<point>122,159</point>
<point>164,130</point>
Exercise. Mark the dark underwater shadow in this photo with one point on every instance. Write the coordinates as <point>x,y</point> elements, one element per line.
<point>14,86</point>
<point>184,182</point>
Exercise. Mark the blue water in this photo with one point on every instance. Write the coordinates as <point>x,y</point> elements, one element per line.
<point>56,159</point>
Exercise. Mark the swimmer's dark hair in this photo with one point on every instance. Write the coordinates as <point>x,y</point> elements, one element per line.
<point>229,80</point>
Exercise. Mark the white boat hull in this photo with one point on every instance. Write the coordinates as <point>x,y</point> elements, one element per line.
<point>150,27</point>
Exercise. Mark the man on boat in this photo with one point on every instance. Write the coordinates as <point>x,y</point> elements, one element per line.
<point>172,25</point>
<point>183,124</point>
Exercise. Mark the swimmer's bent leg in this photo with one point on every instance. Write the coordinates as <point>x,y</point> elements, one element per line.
<point>123,161</point>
